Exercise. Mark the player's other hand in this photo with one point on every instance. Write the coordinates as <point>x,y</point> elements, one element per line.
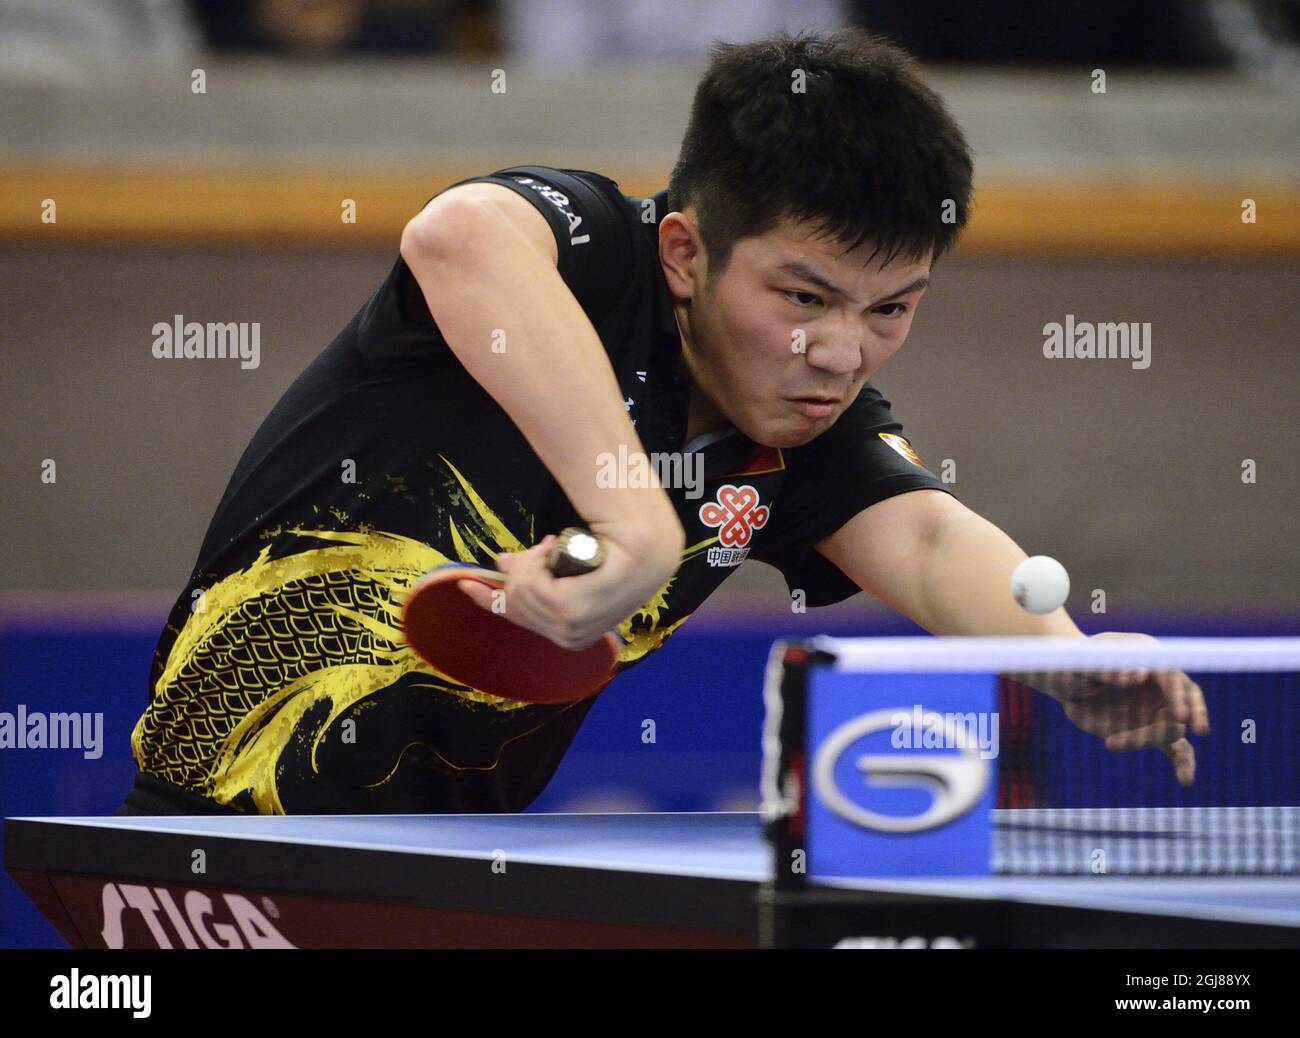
<point>1135,709</point>
<point>575,612</point>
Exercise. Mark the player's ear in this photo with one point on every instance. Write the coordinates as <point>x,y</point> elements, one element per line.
<point>681,253</point>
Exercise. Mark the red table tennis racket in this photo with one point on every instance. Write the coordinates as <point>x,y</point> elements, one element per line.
<point>486,651</point>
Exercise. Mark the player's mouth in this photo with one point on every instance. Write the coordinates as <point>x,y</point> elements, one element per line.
<point>815,406</point>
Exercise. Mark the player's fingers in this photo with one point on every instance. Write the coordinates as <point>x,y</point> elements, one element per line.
<point>575,626</point>
<point>566,602</point>
<point>557,624</point>
<point>1126,677</point>
<point>506,603</point>
<point>1174,693</point>
<point>1199,713</point>
<point>1182,756</point>
<point>1161,733</point>
<point>546,604</point>
<point>514,604</point>
<point>1123,678</point>
<point>480,594</point>
<point>526,579</point>
<point>578,642</point>
<point>528,559</point>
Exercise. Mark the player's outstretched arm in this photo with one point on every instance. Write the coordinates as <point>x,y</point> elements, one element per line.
<point>943,566</point>
<point>948,569</point>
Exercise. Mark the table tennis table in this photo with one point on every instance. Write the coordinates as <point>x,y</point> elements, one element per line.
<point>608,880</point>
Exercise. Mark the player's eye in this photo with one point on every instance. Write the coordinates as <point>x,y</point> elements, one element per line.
<point>899,312</point>
<point>803,299</point>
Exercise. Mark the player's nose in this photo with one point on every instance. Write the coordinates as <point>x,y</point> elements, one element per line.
<point>840,355</point>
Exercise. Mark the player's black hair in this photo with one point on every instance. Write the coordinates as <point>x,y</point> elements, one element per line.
<point>867,153</point>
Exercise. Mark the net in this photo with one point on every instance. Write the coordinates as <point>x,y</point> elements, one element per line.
<point>1066,805</point>
<point>1147,841</point>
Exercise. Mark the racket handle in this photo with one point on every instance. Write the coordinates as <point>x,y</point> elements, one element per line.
<point>578,551</point>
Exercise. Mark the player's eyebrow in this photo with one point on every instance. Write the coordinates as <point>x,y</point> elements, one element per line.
<point>802,270</point>
<point>922,282</point>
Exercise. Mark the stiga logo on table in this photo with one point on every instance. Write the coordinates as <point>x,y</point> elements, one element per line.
<point>195,923</point>
<point>954,781</point>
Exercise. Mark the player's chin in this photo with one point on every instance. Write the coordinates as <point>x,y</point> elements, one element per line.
<point>788,433</point>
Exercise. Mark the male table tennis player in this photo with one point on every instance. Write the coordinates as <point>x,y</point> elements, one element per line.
<point>535,320</point>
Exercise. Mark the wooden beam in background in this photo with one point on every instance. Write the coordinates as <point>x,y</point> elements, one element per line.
<point>302,208</point>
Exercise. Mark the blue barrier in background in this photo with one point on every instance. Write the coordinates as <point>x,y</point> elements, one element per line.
<point>702,694</point>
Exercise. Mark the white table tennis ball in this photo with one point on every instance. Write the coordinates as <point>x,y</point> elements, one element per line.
<point>1040,584</point>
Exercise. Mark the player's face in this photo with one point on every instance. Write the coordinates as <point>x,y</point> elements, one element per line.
<point>782,341</point>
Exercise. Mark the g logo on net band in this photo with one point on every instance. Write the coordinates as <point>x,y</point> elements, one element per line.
<point>955,781</point>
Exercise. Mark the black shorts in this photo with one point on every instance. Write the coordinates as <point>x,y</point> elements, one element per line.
<point>154,796</point>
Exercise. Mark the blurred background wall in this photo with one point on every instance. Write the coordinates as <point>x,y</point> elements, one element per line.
<point>198,159</point>
<point>199,156</point>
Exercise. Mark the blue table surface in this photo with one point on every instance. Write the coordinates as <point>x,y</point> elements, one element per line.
<point>717,845</point>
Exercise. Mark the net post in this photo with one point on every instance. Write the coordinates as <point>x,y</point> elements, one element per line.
<point>784,782</point>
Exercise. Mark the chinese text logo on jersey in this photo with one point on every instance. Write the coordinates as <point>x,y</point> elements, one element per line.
<point>736,515</point>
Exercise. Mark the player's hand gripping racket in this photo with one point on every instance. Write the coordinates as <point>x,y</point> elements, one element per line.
<point>486,651</point>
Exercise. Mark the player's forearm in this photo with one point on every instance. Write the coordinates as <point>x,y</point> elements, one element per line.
<point>517,329</point>
<point>965,585</point>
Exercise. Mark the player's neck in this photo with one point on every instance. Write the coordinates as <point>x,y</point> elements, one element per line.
<point>702,416</point>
